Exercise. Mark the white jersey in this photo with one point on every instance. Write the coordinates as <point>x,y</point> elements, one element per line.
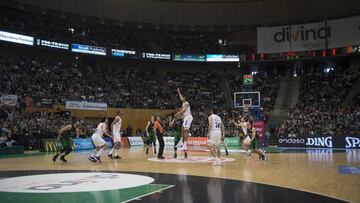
<point>99,130</point>
<point>187,110</point>
<point>117,125</point>
<point>216,122</point>
<point>244,127</point>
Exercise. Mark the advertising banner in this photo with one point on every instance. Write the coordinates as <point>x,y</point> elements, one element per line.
<point>43,102</point>
<point>84,105</point>
<point>135,141</point>
<point>232,141</point>
<point>344,32</point>
<point>87,49</point>
<point>189,57</point>
<point>301,37</point>
<point>325,141</point>
<point>311,36</point>
<point>169,141</point>
<point>273,39</point>
<point>156,56</point>
<point>124,142</point>
<point>52,145</point>
<point>16,38</point>
<point>123,53</point>
<point>8,99</point>
<point>83,143</point>
<point>197,141</point>
<point>52,44</point>
<point>348,141</point>
<point>222,58</point>
<point>108,141</point>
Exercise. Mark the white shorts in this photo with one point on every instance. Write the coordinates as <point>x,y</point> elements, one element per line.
<point>215,138</point>
<point>98,141</point>
<point>187,122</point>
<point>117,136</point>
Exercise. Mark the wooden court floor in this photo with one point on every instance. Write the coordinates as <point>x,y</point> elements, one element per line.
<point>313,171</point>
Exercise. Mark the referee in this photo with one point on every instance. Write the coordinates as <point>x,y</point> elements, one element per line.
<point>159,131</point>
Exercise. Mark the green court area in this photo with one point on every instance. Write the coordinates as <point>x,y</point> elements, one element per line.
<point>234,145</point>
<point>242,150</point>
<point>109,196</point>
<point>273,149</point>
<point>26,154</point>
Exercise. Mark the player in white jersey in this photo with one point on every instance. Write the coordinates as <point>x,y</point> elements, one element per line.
<point>98,141</point>
<point>115,129</point>
<point>244,124</point>
<point>184,113</point>
<point>216,132</point>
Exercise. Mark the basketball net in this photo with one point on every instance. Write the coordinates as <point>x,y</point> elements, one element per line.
<point>246,108</point>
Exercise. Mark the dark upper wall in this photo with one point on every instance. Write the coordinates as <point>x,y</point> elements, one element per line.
<point>205,12</point>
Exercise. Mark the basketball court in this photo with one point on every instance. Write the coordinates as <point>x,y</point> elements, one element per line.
<point>275,85</point>
<point>312,175</point>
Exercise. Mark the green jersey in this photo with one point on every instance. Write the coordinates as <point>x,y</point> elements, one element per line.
<point>255,142</point>
<point>150,130</point>
<point>177,130</point>
<point>65,138</point>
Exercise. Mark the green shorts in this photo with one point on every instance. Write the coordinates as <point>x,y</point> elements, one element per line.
<point>254,144</point>
<point>66,142</point>
<point>177,136</point>
<point>151,138</point>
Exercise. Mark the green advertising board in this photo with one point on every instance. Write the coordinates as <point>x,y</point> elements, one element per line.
<point>232,141</point>
<point>11,150</point>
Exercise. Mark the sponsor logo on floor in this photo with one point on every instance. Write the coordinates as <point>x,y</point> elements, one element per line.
<point>78,187</point>
<point>349,170</point>
<point>72,182</point>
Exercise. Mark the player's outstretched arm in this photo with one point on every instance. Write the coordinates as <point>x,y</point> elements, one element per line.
<point>180,95</point>
<point>147,127</point>
<point>106,132</point>
<point>172,122</point>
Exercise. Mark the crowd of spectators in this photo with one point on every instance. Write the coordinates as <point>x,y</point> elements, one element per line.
<point>61,29</point>
<point>117,86</point>
<point>60,81</point>
<point>27,127</point>
<point>322,108</point>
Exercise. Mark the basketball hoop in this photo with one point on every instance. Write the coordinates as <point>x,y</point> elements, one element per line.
<point>246,99</point>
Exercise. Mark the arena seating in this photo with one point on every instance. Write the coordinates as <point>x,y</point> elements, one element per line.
<point>322,108</point>
<point>114,36</point>
<point>119,86</point>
